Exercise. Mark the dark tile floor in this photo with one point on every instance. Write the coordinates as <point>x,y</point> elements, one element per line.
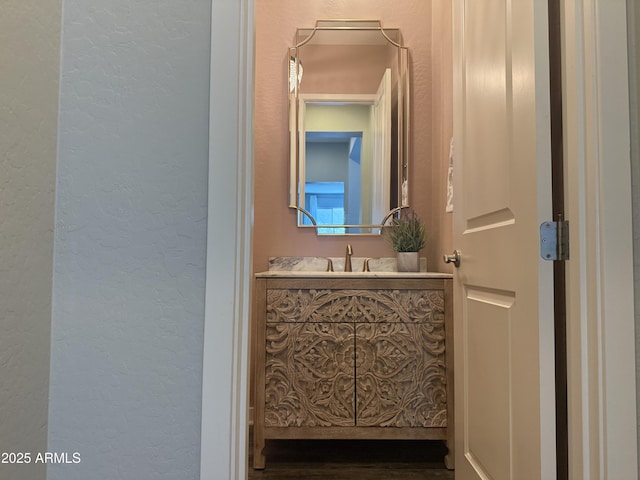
<point>353,460</point>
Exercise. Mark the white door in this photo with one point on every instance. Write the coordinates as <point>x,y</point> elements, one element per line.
<point>503,340</point>
<point>381,155</point>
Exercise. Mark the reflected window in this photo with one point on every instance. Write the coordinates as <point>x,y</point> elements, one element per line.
<point>334,160</point>
<point>325,202</point>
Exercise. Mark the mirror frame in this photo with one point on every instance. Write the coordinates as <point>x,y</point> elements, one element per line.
<point>304,36</point>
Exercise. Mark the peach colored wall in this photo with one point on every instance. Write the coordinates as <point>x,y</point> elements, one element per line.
<point>441,131</point>
<point>426,30</point>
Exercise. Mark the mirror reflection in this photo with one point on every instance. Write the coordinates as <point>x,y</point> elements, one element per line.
<point>348,120</point>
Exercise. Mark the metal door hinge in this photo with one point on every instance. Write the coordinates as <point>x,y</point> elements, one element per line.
<point>554,240</point>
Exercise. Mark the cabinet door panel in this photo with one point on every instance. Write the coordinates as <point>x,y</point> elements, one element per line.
<point>309,374</point>
<point>400,375</point>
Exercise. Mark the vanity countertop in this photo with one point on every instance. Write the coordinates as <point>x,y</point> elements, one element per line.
<point>316,274</point>
<point>315,267</point>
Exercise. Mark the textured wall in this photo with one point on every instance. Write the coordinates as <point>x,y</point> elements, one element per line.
<point>633,12</point>
<point>29,55</point>
<point>431,125</point>
<point>441,239</point>
<point>128,296</point>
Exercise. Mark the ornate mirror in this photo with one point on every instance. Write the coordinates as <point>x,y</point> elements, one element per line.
<point>348,121</point>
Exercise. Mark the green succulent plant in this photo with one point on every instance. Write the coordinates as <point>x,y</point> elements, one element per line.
<point>406,233</point>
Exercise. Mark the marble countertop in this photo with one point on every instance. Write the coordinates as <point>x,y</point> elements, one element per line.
<point>312,274</point>
<point>316,267</point>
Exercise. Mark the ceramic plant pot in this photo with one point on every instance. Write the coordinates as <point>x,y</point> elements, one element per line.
<point>408,261</point>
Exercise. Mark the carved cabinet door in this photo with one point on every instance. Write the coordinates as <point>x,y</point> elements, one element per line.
<point>400,375</point>
<point>309,374</point>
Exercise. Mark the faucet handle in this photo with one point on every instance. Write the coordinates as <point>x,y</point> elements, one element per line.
<point>329,265</point>
<point>365,265</point>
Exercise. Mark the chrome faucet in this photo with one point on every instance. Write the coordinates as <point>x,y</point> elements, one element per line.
<point>347,259</point>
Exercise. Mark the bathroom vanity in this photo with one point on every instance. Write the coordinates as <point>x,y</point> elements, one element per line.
<point>353,356</point>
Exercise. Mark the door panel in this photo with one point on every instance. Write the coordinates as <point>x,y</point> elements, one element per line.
<point>487,110</point>
<point>502,192</point>
<point>488,384</point>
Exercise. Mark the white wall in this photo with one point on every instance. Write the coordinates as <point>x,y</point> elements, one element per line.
<point>29,59</point>
<point>633,22</point>
<point>129,277</point>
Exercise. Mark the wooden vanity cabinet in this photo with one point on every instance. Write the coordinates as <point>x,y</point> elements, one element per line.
<point>353,358</point>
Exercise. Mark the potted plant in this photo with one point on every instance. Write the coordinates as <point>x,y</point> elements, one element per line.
<point>407,236</point>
